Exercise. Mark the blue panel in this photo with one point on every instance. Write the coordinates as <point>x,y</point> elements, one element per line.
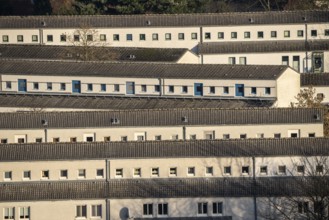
<point>239,89</point>
<point>22,85</point>
<point>76,86</point>
<point>198,89</point>
<point>130,88</point>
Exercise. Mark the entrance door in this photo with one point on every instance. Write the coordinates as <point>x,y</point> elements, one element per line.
<point>22,85</point>
<point>130,87</point>
<point>239,89</point>
<point>76,86</point>
<point>198,89</point>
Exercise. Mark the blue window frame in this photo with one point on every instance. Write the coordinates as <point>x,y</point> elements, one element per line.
<point>198,89</point>
<point>267,91</point>
<point>103,87</point>
<point>22,85</point>
<point>76,86</point>
<point>253,90</point>
<point>239,89</point>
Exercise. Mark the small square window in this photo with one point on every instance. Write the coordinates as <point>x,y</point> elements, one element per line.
<point>102,37</point>
<point>21,140</point>
<point>50,38</point>
<point>253,90</point>
<point>234,35</point>
<point>300,169</point>
<point>157,137</point>
<point>226,90</point>
<point>285,60</point>
<point>260,135</point>
<point>243,60</point>
<point>300,33</point>
<point>96,211</point>
<point>116,37</point>
<point>181,36</point>
<point>90,87</point>
<point>140,138</point>
<point>184,89</point>
<point>156,88</point>
<point>4,141</point>
<point>314,33</point>
<point>226,136</point>
<point>267,91</point>
<point>245,170</point>
<point>119,172</point>
<point>8,85</point>
<point>63,86</point>
<point>63,38</point>
<point>319,169</point>
<point>243,136</point>
<point>8,175</point>
<point>227,170</point>
<point>220,35</point>
<point>193,137</point>
<point>273,34</point>
<point>90,37</point>
<point>49,86</point>
<point>194,36</point>
<point>27,174</point>
<point>56,140</point>
<point>167,36</point>
<point>231,60</point>
<point>155,171</point>
<point>277,135</point>
<point>103,87</point>
<point>63,174</point>
<point>247,34</point>
<point>282,169</point>
<point>142,37</point>
<point>174,137</point>
<point>263,170</point>
<point>116,88</point>
<point>320,96</point>
<point>155,36</point>
<point>107,139</point>
<point>124,138</point>
<point>191,171</point>
<point>76,38</point>
<point>326,32</point>
<point>212,90</point>
<point>260,34</point>
<point>45,174</point>
<point>143,88</point>
<point>89,139</point>
<point>207,35</point>
<point>34,38</point>
<point>81,173</point>
<point>209,136</point>
<point>129,37</point>
<point>209,171</point>
<point>5,38</point>
<point>173,171</point>
<point>171,89</point>
<point>73,139</point>
<point>36,86</point>
<point>38,140</point>
<point>20,38</point>
<point>311,135</point>
<point>137,172</point>
<point>100,173</point>
<point>286,33</point>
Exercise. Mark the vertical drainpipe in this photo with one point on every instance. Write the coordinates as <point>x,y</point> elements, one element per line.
<point>184,133</point>
<point>201,41</point>
<point>306,46</point>
<point>107,174</point>
<point>160,84</point>
<point>254,186</point>
<point>46,135</point>
<point>162,88</point>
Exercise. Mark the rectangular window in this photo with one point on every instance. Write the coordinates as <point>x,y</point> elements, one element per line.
<point>319,169</point>
<point>36,86</point>
<point>7,175</point>
<point>260,34</point>
<point>100,173</point>
<point>263,170</point>
<point>155,171</point>
<point>124,138</point>
<point>96,211</point>
<point>253,90</point>
<point>191,171</point>
<point>295,63</point>
<point>27,174</point>
<point>226,136</point>
<point>8,85</point>
<point>63,174</point>
<point>243,60</point>
<point>81,173</point>
<point>63,86</point>
<point>277,135</point>
<point>209,171</point>
<point>194,36</point>
<point>300,169</point>
<point>143,88</point>
<point>90,37</point>
<point>103,87</point>
<point>243,136</point>
<point>50,38</point>
<point>155,36</point>
<point>173,171</point>
<point>56,140</point>
<point>326,32</point>
<point>116,88</point>
<point>49,86</point>
<point>285,60</point>
<point>220,35</point>
<point>260,135</point>
<point>102,37</point>
<point>184,89</point>
<point>212,90</point>
<point>90,87</point>
<point>234,35</point>
<point>207,35</point>
<point>73,139</point>
<point>142,37</point>
<point>181,36</point>
<point>273,34</point>
<point>76,38</point>
<point>4,141</point>
<point>168,36</point>
<point>24,212</point>
<point>174,137</point>
<point>202,208</point>
<point>157,88</point>
<point>226,90</point>
<point>63,38</point>
<point>171,89</point>
<point>209,136</point>
<point>116,37</point>
<point>137,172</point>
<point>163,209</point>
<point>129,37</point>
<point>157,137</point>
<point>314,33</point>
<point>247,34</point>
<point>9,213</point>
<point>147,209</point>
<point>300,33</point>
<point>20,38</point>
<point>45,174</point>
<point>286,34</point>
<point>302,207</point>
<point>38,140</point>
<point>311,135</point>
<point>81,211</point>
<point>193,137</point>
<point>245,170</point>
<point>231,60</point>
<point>5,38</point>
<point>21,140</point>
<point>282,169</point>
<point>34,38</point>
<point>217,208</point>
<point>267,91</point>
<point>119,172</point>
<point>227,170</point>
<point>107,139</point>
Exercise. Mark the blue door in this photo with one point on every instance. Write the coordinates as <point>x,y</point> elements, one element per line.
<point>130,87</point>
<point>198,89</point>
<point>22,85</point>
<point>239,89</point>
<point>76,86</point>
